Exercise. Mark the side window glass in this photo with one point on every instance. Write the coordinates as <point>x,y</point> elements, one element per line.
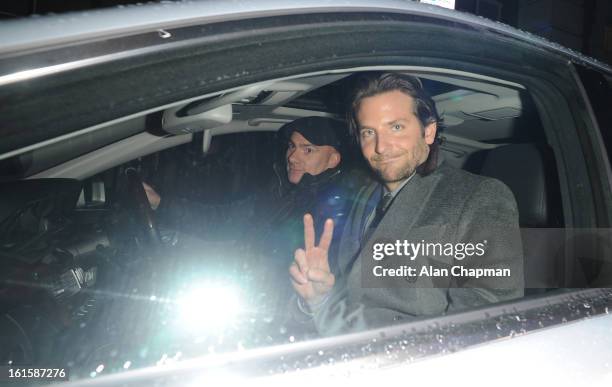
<point>595,251</point>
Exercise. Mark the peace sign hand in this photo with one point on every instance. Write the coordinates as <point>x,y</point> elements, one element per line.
<point>310,273</point>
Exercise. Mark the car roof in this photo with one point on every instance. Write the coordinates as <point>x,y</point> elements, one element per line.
<point>39,32</point>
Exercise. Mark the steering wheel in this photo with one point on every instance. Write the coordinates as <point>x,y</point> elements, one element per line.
<point>140,201</point>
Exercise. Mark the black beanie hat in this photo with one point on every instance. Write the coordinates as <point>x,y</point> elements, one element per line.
<point>317,130</point>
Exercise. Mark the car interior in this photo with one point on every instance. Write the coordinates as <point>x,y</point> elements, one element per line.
<point>491,127</point>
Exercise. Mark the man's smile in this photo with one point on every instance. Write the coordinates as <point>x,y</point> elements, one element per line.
<point>386,160</point>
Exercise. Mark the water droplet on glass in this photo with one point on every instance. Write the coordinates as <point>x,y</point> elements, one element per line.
<point>291,339</point>
<point>100,368</point>
<point>143,352</point>
<point>127,365</point>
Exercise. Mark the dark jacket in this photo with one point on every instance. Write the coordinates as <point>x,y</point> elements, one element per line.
<point>328,195</point>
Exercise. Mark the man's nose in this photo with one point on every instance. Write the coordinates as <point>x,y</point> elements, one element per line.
<point>382,143</point>
<point>292,155</point>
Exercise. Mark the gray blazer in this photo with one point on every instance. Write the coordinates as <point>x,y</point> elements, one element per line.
<point>449,206</point>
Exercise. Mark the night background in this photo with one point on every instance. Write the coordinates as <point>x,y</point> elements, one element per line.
<point>583,25</point>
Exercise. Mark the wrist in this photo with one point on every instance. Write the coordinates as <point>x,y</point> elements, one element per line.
<point>310,307</point>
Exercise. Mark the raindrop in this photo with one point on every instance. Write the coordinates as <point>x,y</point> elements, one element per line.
<point>100,368</point>
<point>92,374</point>
<point>321,353</point>
<point>309,360</point>
<point>291,339</point>
<point>143,352</point>
<point>127,365</point>
<point>587,305</point>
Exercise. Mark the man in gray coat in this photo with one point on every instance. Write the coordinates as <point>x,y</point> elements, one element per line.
<point>428,240</point>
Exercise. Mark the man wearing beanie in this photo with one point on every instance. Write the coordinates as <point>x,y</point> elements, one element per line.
<point>314,179</point>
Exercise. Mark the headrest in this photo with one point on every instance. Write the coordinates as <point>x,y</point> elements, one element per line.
<point>523,168</point>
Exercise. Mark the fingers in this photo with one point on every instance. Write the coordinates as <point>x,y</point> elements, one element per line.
<point>152,195</point>
<point>309,233</point>
<point>296,275</point>
<point>326,237</point>
<point>301,261</point>
<point>322,276</point>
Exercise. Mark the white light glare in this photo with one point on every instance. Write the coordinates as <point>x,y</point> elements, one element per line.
<point>441,3</point>
<point>210,306</point>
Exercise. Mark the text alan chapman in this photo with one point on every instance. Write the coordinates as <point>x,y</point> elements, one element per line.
<point>430,271</point>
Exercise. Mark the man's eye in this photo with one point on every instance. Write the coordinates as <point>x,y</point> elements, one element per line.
<point>308,150</point>
<point>367,133</point>
<point>397,127</point>
<point>290,146</point>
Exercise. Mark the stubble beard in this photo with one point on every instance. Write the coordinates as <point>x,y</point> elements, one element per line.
<point>407,164</point>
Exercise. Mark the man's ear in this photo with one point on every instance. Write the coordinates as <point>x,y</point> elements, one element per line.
<point>334,159</point>
<point>430,132</point>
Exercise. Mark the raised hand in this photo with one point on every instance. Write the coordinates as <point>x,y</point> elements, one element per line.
<point>152,195</point>
<point>310,273</point>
